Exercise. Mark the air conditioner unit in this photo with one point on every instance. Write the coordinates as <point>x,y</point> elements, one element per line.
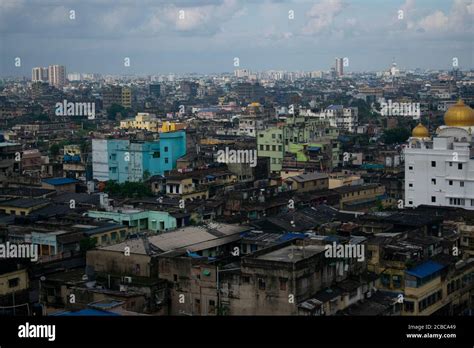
<point>127,280</point>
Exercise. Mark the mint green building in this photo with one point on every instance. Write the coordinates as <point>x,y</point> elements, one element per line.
<point>296,135</point>
<point>138,220</point>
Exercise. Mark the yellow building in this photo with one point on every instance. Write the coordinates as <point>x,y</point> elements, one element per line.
<point>108,234</point>
<point>432,287</point>
<point>126,97</point>
<point>143,121</point>
<point>168,126</point>
<point>338,180</point>
<point>22,206</point>
<point>149,122</point>
<point>352,196</point>
<point>184,188</point>
<point>72,150</point>
<point>13,281</point>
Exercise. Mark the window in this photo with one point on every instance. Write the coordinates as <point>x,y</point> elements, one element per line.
<point>433,181</point>
<point>456,201</point>
<point>433,199</point>
<point>261,284</point>
<point>156,154</point>
<point>273,147</point>
<point>409,306</point>
<point>166,148</point>
<point>245,279</point>
<point>433,164</point>
<point>267,147</point>
<point>461,183</point>
<point>460,166</point>
<point>261,147</point>
<point>450,164</point>
<point>273,136</point>
<point>450,183</point>
<point>212,307</point>
<point>410,185</point>
<point>410,168</point>
<point>283,282</point>
<point>385,279</point>
<point>410,202</point>
<point>166,160</point>
<point>14,282</point>
<point>175,277</point>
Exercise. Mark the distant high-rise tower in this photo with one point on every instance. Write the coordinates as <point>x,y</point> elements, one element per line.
<point>339,67</point>
<point>39,74</point>
<point>57,75</point>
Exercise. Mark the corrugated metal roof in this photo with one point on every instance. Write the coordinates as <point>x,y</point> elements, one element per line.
<point>425,269</point>
<point>60,181</point>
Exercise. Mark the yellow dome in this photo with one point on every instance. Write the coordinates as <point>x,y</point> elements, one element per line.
<point>420,131</point>
<point>255,104</point>
<point>459,115</point>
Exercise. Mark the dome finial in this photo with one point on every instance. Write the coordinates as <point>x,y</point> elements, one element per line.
<point>420,131</point>
<point>459,115</point>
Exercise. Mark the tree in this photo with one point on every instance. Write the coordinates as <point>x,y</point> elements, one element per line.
<point>115,109</point>
<point>87,244</point>
<point>128,189</point>
<point>54,150</point>
<point>396,135</point>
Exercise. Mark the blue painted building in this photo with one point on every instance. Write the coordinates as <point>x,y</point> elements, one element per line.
<point>123,160</point>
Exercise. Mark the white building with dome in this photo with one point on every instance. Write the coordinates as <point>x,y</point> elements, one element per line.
<point>439,170</point>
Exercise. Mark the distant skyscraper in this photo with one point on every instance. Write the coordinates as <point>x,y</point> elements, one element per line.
<point>117,95</point>
<point>57,75</point>
<point>339,67</point>
<point>39,74</point>
<point>241,73</point>
<point>155,89</point>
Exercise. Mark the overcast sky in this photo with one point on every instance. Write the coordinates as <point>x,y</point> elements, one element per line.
<point>259,32</point>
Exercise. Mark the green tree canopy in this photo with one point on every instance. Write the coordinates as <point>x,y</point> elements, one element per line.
<point>396,135</point>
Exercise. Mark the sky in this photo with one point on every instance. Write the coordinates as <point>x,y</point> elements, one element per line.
<point>204,36</point>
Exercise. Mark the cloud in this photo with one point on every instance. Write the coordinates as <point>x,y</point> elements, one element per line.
<point>458,21</point>
<point>205,19</point>
<point>322,15</point>
<point>435,21</point>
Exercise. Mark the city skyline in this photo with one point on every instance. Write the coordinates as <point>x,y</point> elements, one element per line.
<point>206,37</point>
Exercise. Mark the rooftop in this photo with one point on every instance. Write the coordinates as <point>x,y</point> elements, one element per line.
<point>23,203</point>
<point>60,181</point>
<point>309,177</point>
<point>425,269</point>
<point>292,253</point>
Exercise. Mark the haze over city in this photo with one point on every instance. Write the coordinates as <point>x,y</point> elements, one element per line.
<point>428,34</point>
